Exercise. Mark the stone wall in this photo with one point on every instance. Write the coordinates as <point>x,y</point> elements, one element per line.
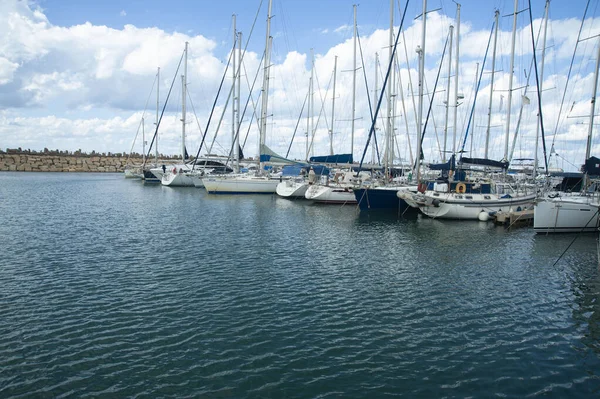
<point>65,163</point>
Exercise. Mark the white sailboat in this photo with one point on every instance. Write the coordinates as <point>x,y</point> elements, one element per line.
<point>474,198</point>
<point>259,182</point>
<point>563,212</point>
<point>177,176</point>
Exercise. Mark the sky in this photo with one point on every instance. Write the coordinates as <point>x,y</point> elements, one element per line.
<point>81,75</point>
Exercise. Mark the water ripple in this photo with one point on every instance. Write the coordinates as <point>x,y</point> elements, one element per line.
<point>114,289</point>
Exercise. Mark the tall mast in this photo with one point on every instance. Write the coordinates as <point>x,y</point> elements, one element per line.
<point>157,105</point>
<point>448,92</point>
<point>353,85</point>
<point>588,147</point>
<point>487,132</point>
<point>332,107</point>
<point>510,77</point>
<point>237,114</point>
<point>265,87</point>
<point>374,105</point>
<point>183,94</point>
<point>233,103</point>
<point>537,130</point>
<point>312,95</point>
<point>143,143</point>
<point>388,135</point>
<point>308,118</point>
<point>456,78</point>
<point>421,52</point>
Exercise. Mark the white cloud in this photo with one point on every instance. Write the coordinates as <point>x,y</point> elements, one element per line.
<point>122,13</point>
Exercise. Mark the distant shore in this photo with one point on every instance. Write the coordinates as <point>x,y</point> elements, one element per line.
<point>19,160</point>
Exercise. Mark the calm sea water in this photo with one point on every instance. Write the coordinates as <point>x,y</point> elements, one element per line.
<point>109,288</point>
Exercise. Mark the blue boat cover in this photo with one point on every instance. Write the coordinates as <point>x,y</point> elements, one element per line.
<point>296,170</point>
<point>484,162</point>
<point>336,158</point>
<point>450,165</point>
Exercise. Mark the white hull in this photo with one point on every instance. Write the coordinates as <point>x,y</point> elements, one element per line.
<point>468,206</point>
<point>176,180</point>
<point>292,189</point>
<point>568,214</point>
<point>330,194</point>
<point>240,184</point>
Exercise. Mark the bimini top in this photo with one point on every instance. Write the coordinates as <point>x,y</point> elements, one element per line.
<point>336,158</point>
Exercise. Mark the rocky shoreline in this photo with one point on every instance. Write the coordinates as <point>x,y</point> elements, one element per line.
<point>40,162</point>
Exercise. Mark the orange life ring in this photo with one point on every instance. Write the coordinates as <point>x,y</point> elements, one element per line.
<point>461,188</point>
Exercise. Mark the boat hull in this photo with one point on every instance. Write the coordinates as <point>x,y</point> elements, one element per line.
<point>240,185</point>
<point>565,215</point>
<point>292,189</point>
<point>330,194</point>
<point>180,179</point>
<point>457,206</point>
<point>381,198</point>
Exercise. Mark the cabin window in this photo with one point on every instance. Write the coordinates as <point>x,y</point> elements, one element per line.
<point>436,194</point>
<point>487,197</point>
<point>459,197</point>
<point>468,197</point>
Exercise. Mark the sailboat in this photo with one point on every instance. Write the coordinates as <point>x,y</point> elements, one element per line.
<point>574,212</point>
<point>481,194</point>
<point>259,182</point>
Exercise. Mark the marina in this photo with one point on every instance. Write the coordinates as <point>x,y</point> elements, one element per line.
<point>329,201</point>
<point>116,288</point>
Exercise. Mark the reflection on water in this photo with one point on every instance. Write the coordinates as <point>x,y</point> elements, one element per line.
<point>113,288</point>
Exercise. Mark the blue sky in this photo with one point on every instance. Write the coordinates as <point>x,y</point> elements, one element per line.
<point>76,74</point>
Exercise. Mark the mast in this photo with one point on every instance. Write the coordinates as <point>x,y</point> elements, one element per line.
<point>312,96</point>
<point>537,130</point>
<point>265,87</point>
<point>233,103</point>
<point>237,114</point>
<point>353,85</point>
<point>588,147</point>
<point>332,107</point>
<point>143,143</point>
<point>448,92</point>
<point>157,106</point>
<point>487,132</point>
<point>183,94</point>
<point>421,52</point>
<point>388,134</point>
<point>310,103</point>
<point>373,155</point>
<point>510,77</point>
<point>456,77</point>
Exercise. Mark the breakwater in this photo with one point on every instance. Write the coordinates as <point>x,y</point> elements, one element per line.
<point>67,162</point>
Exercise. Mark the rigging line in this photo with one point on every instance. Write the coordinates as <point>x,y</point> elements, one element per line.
<point>194,111</point>
<point>576,237</point>
<point>143,114</point>
<point>568,76</point>
<point>362,60</point>
<point>250,98</point>
<point>165,106</point>
<point>431,102</point>
<point>381,95</point>
<point>213,107</point>
<point>297,123</point>
<point>537,40</point>
<point>462,149</point>
<point>539,94</point>
<point>321,112</point>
